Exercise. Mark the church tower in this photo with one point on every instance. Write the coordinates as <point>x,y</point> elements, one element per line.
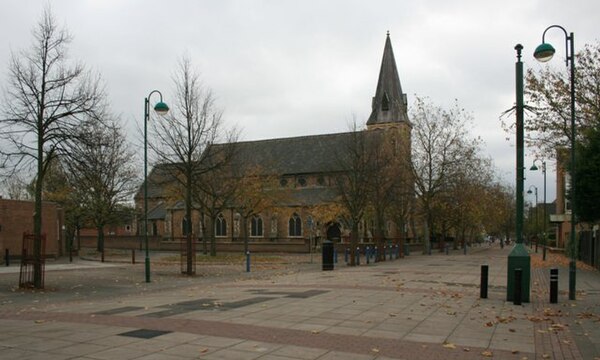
<point>389,105</point>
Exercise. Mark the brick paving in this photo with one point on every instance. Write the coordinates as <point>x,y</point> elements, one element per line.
<point>419,307</point>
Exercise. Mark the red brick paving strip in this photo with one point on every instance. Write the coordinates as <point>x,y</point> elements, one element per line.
<point>558,344</point>
<point>336,342</point>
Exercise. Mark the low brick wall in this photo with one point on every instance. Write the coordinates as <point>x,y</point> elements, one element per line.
<point>160,244</point>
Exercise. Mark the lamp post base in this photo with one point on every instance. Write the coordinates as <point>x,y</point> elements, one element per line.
<point>518,259</point>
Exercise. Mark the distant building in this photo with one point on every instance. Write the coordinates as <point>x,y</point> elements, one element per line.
<point>303,166</point>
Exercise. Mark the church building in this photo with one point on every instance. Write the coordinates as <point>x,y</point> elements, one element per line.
<point>303,169</point>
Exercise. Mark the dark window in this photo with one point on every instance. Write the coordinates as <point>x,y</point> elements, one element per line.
<point>283,182</point>
<point>256,226</point>
<point>295,226</point>
<point>221,226</point>
<point>302,181</point>
<point>321,180</point>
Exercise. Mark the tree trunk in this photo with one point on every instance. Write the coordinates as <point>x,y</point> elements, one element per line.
<point>100,240</point>
<point>213,240</point>
<point>244,231</point>
<point>426,237</point>
<point>353,243</point>
<point>189,248</point>
<point>38,279</point>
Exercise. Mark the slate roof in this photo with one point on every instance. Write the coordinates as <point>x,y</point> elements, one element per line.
<point>294,155</point>
<point>158,212</point>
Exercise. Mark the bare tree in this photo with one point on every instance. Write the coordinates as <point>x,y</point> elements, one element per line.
<point>16,188</point>
<point>257,191</point>
<point>441,145</point>
<point>46,98</point>
<point>353,181</point>
<point>182,140</point>
<point>215,191</point>
<point>101,172</point>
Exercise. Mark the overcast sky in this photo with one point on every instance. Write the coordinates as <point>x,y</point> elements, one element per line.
<point>289,68</point>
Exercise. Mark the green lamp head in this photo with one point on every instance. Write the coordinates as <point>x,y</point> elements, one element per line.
<point>533,167</point>
<point>529,191</point>
<point>544,52</point>
<point>161,108</point>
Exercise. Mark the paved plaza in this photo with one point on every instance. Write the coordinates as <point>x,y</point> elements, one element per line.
<point>417,307</point>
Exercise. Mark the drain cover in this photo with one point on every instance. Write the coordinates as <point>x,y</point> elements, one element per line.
<point>144,333</point>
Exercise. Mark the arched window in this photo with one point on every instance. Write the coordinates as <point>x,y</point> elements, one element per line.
<point>256,226</point>
<point>221,226</point>
<point>185,227</point>
<point>385,102</point>
<point>295,226</point>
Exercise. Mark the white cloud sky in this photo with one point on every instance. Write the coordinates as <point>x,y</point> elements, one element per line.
<point>288,68</point>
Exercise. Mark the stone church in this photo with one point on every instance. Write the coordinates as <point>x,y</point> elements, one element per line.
<point>304,168</point>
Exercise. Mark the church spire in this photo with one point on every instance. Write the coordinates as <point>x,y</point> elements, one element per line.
<point>389,103</point>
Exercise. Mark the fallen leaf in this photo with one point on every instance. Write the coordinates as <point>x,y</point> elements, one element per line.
<point>487,354</point>
<point>515,351</point>
<point>466,349</point>
<point>375,350</point>
<point>512,330</point>
<point>449,346</point>
<point>203,350</point>
<point>40,321</point>
<point>545,356</point>
<point>315,331</point>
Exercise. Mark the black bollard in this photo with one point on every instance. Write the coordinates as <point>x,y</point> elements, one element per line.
<point>553,286</point>
<point>6,258</point>
<point>133,256</point>
<point>483,291</point>
<point>102,256</point>
<point>328,256</point>
<point>518,286</point>
<point>247,261</point>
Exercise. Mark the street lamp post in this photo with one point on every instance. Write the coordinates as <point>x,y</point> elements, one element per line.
<point>161,109</point>
<point>536,215</point>
<point>534,168</point>
<point>519,259</point>
<point>543,53</point>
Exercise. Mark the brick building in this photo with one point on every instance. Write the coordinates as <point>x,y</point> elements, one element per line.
<point>16,217</point>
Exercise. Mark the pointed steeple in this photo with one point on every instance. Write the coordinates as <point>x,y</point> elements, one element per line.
<point>389,103</point>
